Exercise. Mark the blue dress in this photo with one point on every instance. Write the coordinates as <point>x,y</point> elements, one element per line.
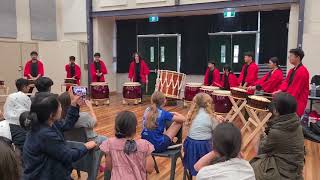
<point>155,136</point>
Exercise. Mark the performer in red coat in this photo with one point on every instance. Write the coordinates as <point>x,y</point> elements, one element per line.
<point>98,69</point>
<point>272,80</point>
<point>229,79</point>
<point>212,75</point>
<point>73,70</point>
<point>297,81</point>
<point>138,70</point>
<point>249,72</point>
<point>33,68</point>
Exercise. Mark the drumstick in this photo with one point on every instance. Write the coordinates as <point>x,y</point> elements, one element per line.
<point>147,87</point>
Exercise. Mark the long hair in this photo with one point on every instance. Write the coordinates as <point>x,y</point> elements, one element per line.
<point>65,102</point>
<point>134,54</point>
<point>157,100</point>
<point>125,127</point>
<point>201,100</point>
<point>9,160</point>
<point>226,141</point>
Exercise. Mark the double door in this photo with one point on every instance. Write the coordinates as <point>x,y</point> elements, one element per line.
<point>230,48</point>
<point>161,52</point>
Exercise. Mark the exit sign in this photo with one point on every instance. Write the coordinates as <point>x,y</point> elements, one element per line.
<point>153,18</point>
<point>229,12</point>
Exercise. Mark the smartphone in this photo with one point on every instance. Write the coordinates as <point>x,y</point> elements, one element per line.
<point>80,91</point>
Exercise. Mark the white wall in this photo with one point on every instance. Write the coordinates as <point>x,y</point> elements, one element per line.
<point>107,5</point>
<point>311,36</point>
<point>55,55</point>
<point>103,35</point>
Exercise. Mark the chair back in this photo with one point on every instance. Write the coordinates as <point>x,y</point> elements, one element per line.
<point>76,134</point>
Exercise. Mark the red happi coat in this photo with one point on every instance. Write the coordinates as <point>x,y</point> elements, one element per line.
<point>299,87</point>
<point>144,71</point>
<point>215,79</point>
<point>77,72</point>
<point>27,69</point>
<point>104,71</point>
<point>232,78</point>
<point>273,83</point>
<point>252,75</point>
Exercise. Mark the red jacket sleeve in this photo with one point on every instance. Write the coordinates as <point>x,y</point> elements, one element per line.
<point>131,70</point>
<point>273,83</point>
<point>78,72</point>
<point>233,81</point>
<point>252,75</point>
<point>41,68</point>
<point>284,85</point>
<point>216,77</point>
<point>261,80</point>
<point>103,68</point>
<point>92,72</point>
<point>27,69</point>
<point>146,70</point>
<point>241,75</point>
<point>206,77</point>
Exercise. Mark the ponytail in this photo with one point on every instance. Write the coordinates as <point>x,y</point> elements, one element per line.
<point>130,146</point>
<point>33,122</point>
<point>157,100</point>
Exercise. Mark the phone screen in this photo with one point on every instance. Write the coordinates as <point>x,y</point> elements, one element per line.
<point>80,91</point>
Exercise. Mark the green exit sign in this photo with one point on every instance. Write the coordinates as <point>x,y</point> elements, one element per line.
<point>229,13</point>
<point>153,18</point>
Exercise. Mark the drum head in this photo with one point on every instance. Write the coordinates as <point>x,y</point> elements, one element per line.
<point>260,98</point>
<point>194,84</point>
<point>221,93</point>
<point>99,84</point>
<point>210,88</point>
<point>131,84</point>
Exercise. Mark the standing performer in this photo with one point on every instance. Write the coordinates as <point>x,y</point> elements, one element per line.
<point>73,70</point>
<point>98,69</point>
<point>297,81</point>
<point>272,80</point>
<point>249,72</point>
<point>139,71</point>
<point>212,76</point>
<point>229,79</point>
<point>33,68</point>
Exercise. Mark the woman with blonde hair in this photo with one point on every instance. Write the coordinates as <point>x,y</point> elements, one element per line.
<point>154,122</point>
<point>201,121</point>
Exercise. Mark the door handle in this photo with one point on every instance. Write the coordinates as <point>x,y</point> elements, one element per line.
<point>154,71</point>
<point>19,68</point>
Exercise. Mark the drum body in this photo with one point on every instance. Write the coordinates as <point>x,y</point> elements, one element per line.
<point>258,102</point>
<point>170,83</point>
<point>191,90</point>
<point>70,81</point>
<point>99,90</point>
<point>221,101</point>
<point>1,83</point>
<point>208,89</point>
<point>239,93</point>
<point>131,90</point>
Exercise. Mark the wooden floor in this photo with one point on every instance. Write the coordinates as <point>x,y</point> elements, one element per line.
<point>106,116</point>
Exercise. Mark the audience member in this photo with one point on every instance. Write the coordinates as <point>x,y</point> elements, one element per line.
<point>22,85</point>
<point>201,121</point>
<point>281,151</point>
<point>9,160</point>
<point>126,157</point>
<point>224,162</point>
<point>46,155</point>
<point>43,84</point>
<point>86,120</point>
<point>16,103</point>
<point>154,123</point>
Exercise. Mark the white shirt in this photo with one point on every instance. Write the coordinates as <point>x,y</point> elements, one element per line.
<point>234,169</point>
<point>16,103</point>
<point>5,129</point>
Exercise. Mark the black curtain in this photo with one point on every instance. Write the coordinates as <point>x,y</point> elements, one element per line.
<point>126,44</point>
<point>194,44</point>
<point>274,36</point>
